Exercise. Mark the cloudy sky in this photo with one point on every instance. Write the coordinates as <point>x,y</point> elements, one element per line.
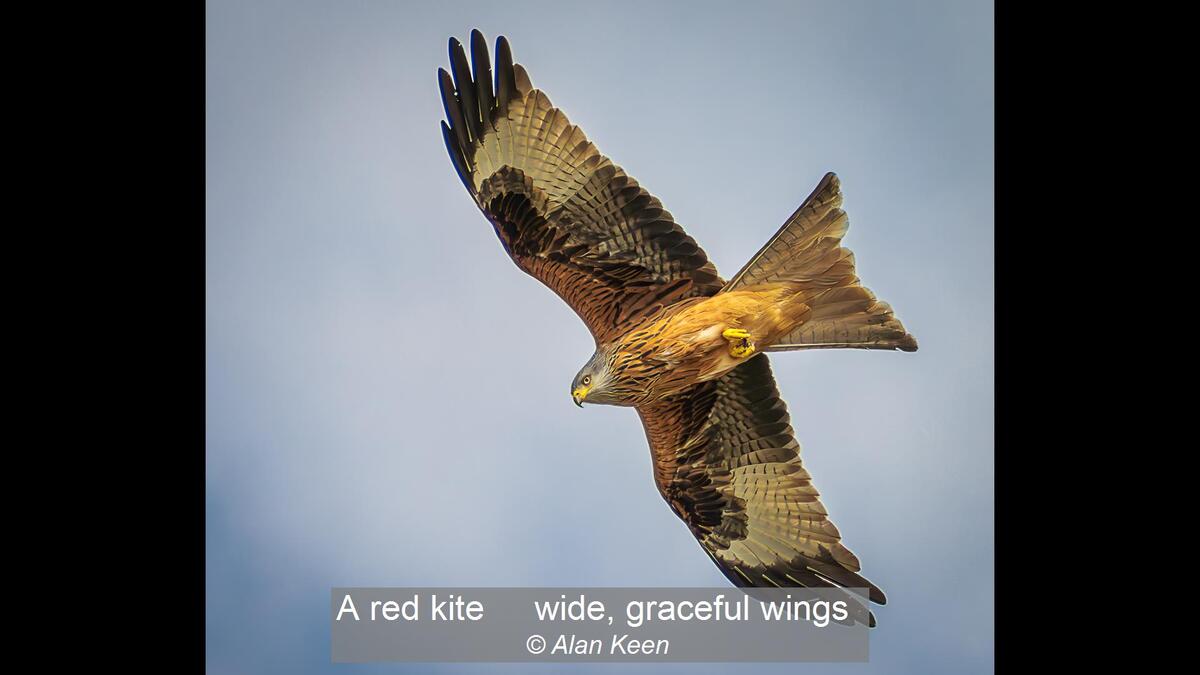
<point>387,395</point>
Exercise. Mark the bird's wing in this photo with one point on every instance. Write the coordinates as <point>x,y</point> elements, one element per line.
<point>726,460</point>
<point>564,212</point>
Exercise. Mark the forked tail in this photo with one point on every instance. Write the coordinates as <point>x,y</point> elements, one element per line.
<point>807,252</point>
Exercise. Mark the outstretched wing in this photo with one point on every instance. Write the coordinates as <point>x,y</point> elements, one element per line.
<point>564,212</point>
<point>726,460</point>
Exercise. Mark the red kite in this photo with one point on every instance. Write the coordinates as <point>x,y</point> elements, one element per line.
<point>676,342</point>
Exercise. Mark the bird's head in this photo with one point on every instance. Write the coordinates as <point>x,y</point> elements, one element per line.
<point>593,382</point>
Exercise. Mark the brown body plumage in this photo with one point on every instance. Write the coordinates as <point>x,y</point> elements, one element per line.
<point>667,326</point>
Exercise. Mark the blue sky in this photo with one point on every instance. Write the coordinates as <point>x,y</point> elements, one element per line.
<point>387,395</point>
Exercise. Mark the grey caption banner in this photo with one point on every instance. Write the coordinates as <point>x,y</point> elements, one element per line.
<point>598,624</point>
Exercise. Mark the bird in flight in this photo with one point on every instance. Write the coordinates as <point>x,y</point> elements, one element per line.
<point>675,341</point>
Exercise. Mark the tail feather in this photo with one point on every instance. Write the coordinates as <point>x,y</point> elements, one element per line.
<point>807,252</point>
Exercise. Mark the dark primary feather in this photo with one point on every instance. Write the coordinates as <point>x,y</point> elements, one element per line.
<point>465,88</point>
<point>481,72</point>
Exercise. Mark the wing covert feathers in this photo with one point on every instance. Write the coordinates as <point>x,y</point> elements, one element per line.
<point>565,213</point>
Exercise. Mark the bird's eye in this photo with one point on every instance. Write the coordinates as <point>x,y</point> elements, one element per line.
<point>587,379</point>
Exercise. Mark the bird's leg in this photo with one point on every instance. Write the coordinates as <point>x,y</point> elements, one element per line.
<point>740,344</point>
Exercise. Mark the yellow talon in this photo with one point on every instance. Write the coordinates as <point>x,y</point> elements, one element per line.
<point>741,351</point>
<point>740,344</point>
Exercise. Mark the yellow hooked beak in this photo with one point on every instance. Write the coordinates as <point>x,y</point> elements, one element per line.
<point>579,394</point>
